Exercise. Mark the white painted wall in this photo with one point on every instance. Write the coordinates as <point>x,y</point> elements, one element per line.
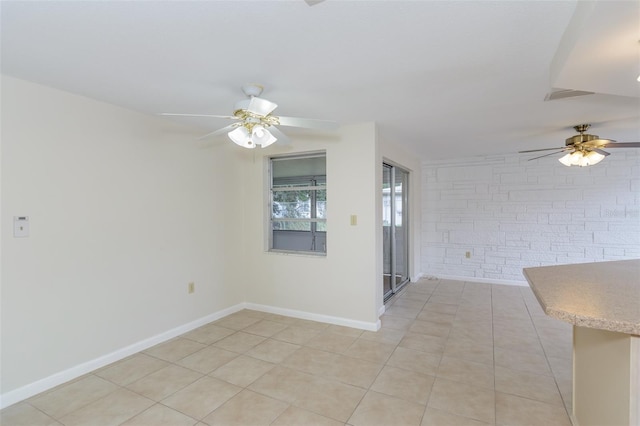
<point>511,213</point>
<point>342,284</point>
<point>125,210</point>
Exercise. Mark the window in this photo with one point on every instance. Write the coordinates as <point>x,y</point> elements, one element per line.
<point>298,203</point>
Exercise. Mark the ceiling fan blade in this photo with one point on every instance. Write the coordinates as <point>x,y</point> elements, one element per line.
<point>261,106</point>
<point>282,138</point>
<point>308,123</point>
<point>601,152</point>
<point>220,131</point>
<point>198,115</point>
<point>553,153</point>
<point>546,155</point>
<point>622,145</point>
<point>537,150</point>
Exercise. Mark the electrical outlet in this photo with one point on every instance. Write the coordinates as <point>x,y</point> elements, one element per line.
<point>468,255</point>
<point>192,287</point>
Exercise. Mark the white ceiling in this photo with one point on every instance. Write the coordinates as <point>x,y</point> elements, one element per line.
<point>445,78</point>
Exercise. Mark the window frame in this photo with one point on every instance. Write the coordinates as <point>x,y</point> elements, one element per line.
<point>312,220</point>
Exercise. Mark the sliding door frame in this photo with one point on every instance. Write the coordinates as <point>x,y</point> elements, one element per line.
<point>393,244</point>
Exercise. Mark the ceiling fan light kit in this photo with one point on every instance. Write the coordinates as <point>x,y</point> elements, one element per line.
<point>262,136</point>
<point>258,136</point>
<point>584,149</point>
<point>581,159</point>
<point>241,137</point>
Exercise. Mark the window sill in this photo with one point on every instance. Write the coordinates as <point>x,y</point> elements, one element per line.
<point>297,253</point>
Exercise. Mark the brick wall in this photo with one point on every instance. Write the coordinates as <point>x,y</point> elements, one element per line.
<point>510,213</point>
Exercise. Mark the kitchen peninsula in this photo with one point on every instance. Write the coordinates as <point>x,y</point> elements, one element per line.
<point>602,301</point>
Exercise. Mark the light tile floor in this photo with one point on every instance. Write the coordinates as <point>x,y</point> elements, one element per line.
<point>448,353</point>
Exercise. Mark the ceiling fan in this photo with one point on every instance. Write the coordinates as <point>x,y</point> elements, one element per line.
<point>584,149</point>
<point>254,122</point>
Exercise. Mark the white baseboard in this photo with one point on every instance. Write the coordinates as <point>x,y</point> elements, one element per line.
<point>478,280</point>
<point>27,391</point>
<point>363,325</point>
<point>382,310</point>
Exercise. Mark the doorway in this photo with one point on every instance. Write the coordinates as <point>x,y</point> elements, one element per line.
<point>395,228</point>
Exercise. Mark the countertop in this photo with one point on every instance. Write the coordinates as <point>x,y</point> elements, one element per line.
<point>601,295</point>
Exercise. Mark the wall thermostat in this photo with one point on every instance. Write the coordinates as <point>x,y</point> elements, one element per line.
<point>20,226</point>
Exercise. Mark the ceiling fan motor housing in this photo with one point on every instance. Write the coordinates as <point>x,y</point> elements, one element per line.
<point>581,138</point>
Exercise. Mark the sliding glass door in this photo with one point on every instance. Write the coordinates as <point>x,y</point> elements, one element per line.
<point>395,228</point>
